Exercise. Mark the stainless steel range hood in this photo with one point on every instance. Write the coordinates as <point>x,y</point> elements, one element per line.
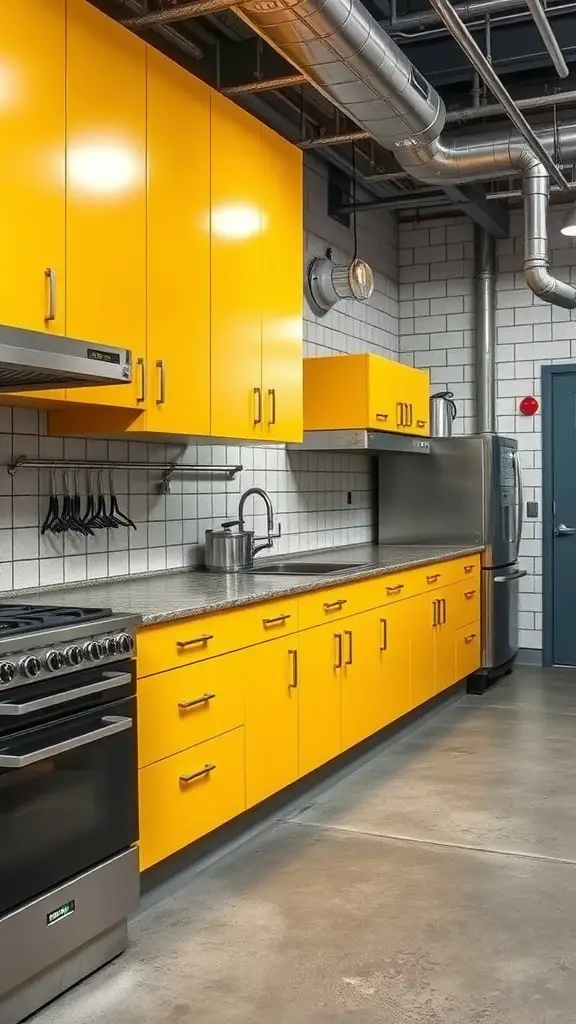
<point>31,360</point>
<point>371,441</point>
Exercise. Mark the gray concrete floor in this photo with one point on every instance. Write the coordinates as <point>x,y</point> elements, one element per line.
<point>433,884</point>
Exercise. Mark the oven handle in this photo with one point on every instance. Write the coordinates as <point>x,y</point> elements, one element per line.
<point>110,682</point>
<point>114,724</point>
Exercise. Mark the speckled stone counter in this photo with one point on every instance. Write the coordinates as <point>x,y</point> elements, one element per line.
<point>163,597</point>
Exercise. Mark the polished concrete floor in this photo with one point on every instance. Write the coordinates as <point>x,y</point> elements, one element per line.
<point>433,884</point>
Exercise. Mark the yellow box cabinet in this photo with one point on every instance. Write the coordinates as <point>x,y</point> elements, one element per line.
<point>264,694</point>
<point>365,391</point>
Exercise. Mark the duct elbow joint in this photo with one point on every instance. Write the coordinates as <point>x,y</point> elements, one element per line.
<point>549,288</point>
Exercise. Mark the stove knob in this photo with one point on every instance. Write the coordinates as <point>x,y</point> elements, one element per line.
<point>30,666</point>
<point>73,655</point>
<point>110,645</point>
<point>125,643</point>
<point>93,650</point>
<point>54,660</point>
<point>7,671</point>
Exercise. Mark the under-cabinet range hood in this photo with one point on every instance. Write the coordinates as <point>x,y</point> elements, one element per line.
<point>31,360</point>
<point>371,441</point>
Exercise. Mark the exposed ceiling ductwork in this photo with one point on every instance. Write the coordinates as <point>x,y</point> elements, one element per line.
<point>351,59</point>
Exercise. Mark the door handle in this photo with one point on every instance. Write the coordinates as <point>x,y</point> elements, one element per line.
<point>184,705</point>
<point>564,531</point>
<point>142,367</point>
<point>408,407</point>
<point>257,392</point>
<point>348,633</point>
<point>50,275</point>
<point>187,779</point>
<point>444,611</point>
<point>384,644</point>
<point>272,401</point>
<point>338,658</point>
<point>399,414</point>
<point>435,605</point>
<point>114,724</point>
<point>109,682</point>
<point>161,399</point>
<point>293,685</point>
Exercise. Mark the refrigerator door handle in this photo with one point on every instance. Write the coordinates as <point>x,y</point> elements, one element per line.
<point>520,497</point>
<point>514,576</point>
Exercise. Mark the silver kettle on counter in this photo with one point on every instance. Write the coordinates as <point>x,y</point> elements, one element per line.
<point>443,412</point>
<point>230,550</point>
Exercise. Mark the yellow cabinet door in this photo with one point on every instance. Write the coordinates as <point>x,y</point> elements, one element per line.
<point>178,348</point>
<point>384,408</point>
<point>282,289</point>
<point>413,390</point>
<point>395,622</point>
<point>320,670</point>
<point>32,166</point>
<point>444,642</point>
<point>105,190</point>
<point>361,695</point>
<point>269,673</point>
<point>424,614</point>
<point>236,265</point>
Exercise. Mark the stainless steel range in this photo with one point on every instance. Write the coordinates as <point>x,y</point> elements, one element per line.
<point>68,798</point>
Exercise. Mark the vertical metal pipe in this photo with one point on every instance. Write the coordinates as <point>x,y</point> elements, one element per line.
<point>485,329</point>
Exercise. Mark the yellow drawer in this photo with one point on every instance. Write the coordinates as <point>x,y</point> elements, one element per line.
<point>188,705</point>
<point>188,795</point>
<point>173,644</point>
<point>467,650</point>
<point>332,603</point>
<point>467,568</point>
<point>463,603</point>
<point>397,586</point>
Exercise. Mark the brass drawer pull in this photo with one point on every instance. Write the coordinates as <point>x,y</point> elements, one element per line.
<point>443,611</point>
<point>185,704</point>
<point>272,401</point>
<point>396,589</point>
<point>294,684</point>
<point>468,568</point>
<point>400,414</point>
<point>420,423</point>
<point>50,275</point>
<point>470,638</point>
<point>278,618</point>
<point>142,366</point>
<point>338,658</point>
<point>435,608</point>
<point>257,392</point>
<point>161,397</point>
<point>468,594</point>
<point>381,415</point>
<point>187,779</point>
<point>329,605</point>
<point>384,644</point>
<point>348,633</point>
<point>432,579</point>
<point>195,640</point>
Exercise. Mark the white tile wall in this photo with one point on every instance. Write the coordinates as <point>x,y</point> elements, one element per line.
<point>530,334</point>
<point>310,492</point>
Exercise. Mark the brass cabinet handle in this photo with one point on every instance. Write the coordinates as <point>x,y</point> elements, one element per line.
<point>195,640</point>
<point>294,684</point>
<point>381,415</point>
<point>348,633</point>
<point>278,618</point>
<point>434,613</point>
<point>444,611</point>
<point>338,658</point>
<point>257,405</point>
<point>396,589</point>
<point>400,414</point>
<point>469,593</point>
<point>420,423</point>
<point>468,639</point>
<point>161,398</point>
<point>187,779</point>
<point>384,644</point>
<point>468,568</point>
<point>272,401</point>
<point>140,363</point>
<point>433,578</point>
<point>50,275</point>
<point>185,704</point>
<point>329,605</point>
<point>408,407</point>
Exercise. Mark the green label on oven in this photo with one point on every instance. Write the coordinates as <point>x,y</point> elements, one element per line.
<point>64,911</point>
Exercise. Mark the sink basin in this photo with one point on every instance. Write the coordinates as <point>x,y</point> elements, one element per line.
<point>304,568</point>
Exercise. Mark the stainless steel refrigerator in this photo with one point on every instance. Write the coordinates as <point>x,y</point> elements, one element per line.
<point>467,491</point>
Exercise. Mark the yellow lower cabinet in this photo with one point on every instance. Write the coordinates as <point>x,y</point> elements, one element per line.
<point>444,651</point>
<point>270,675</point>
<point>424,612</point>
<point>395,624</point>
<point>189,794</point>
<point>188,705</point>
<point>467,644</point>
<point>361,698</point>
<point>321,656</point>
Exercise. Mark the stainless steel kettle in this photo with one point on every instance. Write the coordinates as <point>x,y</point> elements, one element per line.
<point>227,550</point>
<point>443,412</point>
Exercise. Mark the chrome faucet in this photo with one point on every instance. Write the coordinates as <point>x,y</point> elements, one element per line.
<point>269,517</point>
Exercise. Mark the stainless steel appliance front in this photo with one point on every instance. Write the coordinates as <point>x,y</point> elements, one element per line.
<point>500,588</point>
<point>30,359</point>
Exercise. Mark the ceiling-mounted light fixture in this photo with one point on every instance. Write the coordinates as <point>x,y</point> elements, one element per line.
<point>569,225</point>
<point>330,282</point>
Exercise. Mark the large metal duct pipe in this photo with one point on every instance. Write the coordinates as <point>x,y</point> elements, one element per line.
<point>485,325</point>
<point>347,55</point>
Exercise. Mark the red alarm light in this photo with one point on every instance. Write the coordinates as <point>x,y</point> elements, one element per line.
<point>529,406</point>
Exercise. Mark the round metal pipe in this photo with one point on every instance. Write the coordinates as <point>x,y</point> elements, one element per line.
<point>485,329</point>
<point>547,36</point>
<point>266,85</point>
<point>334,140</point>
<point>180,13</point>
<point>559,99</point>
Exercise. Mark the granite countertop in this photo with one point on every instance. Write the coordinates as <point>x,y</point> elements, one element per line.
<point>167,596</point>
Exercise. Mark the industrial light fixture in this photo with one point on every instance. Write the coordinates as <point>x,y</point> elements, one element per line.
<point>569,225</point>
<point>329,282</point>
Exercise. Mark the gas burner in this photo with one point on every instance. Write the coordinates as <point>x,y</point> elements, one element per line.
<point>19,619</point>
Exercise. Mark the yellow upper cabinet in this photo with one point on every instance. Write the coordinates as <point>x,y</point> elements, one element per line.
<point>105,189</point>
<point>236,265</point>
<point>178,347</point>
<point>365,391</point>
<point>282,273</point>
<point>32,172</point>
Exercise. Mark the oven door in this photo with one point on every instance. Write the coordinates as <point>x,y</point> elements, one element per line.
<point>68,798</point>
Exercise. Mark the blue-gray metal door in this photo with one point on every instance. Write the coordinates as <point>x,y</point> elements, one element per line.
<point>564,519</point>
